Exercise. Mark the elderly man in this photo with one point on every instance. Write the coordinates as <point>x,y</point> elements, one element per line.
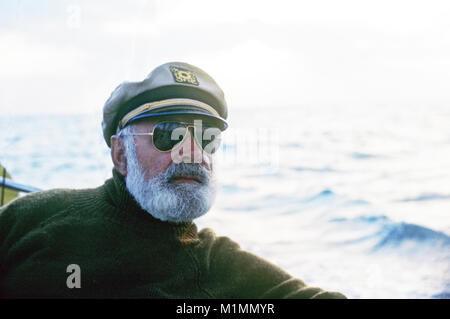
<point>134,236</point>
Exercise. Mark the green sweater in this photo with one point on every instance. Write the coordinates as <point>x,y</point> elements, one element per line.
<point>123,252</point>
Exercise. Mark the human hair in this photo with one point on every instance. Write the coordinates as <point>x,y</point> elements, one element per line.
<point>129,129</point>
<point>128,139</point>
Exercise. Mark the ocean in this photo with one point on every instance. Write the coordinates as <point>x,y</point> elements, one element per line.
<point>349,199</point>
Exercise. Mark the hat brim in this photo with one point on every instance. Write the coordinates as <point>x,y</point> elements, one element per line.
<point>174,107</point>
<point>220,122</point>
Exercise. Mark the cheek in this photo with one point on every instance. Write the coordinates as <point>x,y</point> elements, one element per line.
<point>153,161</point>
<point>208,161</point>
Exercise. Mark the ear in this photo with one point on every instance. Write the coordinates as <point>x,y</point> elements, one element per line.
<point>118,155</point>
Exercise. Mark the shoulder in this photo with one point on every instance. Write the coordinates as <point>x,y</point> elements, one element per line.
<point>223,250</point>
<point>56,199</point>
<point>45,201</point>
<point>42,197</point>
<point>28,211</point>
<point>208,237</point>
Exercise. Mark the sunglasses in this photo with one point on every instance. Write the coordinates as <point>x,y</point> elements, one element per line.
<point>168,135</point>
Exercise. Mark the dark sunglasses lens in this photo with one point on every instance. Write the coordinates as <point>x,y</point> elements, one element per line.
<point>210,139</point>
<point>167,135</point>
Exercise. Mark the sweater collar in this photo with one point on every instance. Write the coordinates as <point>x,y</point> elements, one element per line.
<point>131,212</point>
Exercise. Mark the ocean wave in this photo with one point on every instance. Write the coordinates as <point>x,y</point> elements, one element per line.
<point>391,234</point>
<point>426,197</point>
<point>359,155</point>
<point>326,194</point>
<point>357,202</point>
<point>398,233</point>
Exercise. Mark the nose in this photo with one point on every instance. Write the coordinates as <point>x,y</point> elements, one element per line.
<point>190,152</point>
<point>195,151</point>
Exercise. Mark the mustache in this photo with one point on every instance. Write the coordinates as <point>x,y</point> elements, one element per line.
<point>187,169</point>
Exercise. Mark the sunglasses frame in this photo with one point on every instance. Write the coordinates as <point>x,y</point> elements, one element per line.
<point>187,126</point>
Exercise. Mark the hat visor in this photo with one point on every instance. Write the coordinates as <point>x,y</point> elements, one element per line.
<point>216,120</point>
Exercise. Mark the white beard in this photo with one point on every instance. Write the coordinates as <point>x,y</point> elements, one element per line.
<point>168,201</point>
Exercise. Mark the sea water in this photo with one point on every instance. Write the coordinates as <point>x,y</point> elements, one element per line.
<point>349,199</point>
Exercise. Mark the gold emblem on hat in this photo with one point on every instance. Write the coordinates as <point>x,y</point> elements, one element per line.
<point>183,76</point>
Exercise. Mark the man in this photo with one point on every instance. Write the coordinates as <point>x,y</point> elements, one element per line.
<point>134,236</point>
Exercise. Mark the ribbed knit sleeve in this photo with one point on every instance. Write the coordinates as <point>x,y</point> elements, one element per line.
<point>19,221</point>
<point>231,272</point>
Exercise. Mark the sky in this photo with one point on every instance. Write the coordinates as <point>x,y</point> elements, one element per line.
<point>68,56</point>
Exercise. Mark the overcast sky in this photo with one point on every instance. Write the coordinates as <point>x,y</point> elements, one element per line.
<point>67,56</point>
